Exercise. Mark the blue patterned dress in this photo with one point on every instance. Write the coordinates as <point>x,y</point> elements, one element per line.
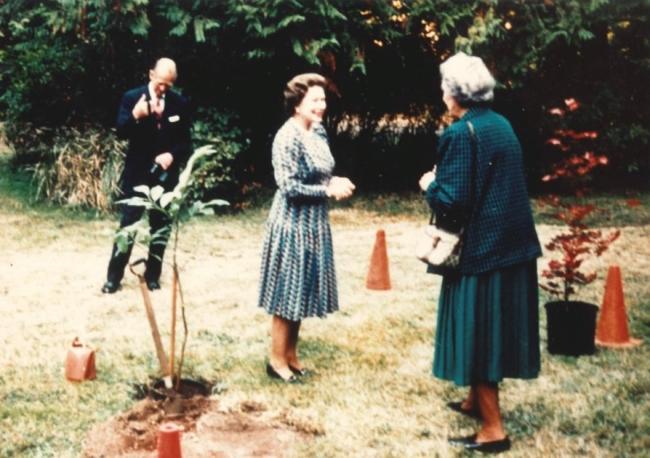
<point>297,275</point>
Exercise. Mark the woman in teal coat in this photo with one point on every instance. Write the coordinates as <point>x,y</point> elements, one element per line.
<point>487,326</point>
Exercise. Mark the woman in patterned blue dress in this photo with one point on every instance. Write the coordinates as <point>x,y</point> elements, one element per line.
<point>297,274</point>
<point>487,327</point>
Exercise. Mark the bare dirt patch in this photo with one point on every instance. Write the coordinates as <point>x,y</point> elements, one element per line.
<point>209,431</point>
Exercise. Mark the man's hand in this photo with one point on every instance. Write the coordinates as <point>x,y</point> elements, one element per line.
<point>165,160</point>
<point>141,108</point>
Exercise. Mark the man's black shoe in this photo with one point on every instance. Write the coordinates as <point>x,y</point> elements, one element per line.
<point>110,287</point>
<point>153,284</point>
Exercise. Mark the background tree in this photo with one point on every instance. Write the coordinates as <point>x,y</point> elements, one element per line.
<point>67,62</point>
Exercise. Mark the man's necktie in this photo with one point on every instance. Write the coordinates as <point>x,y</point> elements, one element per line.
<point>158,112</point>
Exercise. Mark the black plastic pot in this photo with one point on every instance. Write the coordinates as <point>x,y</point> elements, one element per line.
<point>571,327</point>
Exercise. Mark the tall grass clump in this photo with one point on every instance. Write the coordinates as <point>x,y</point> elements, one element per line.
<point>72,166</point>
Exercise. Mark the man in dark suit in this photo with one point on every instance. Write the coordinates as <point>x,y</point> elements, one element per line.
<point>156,122</point>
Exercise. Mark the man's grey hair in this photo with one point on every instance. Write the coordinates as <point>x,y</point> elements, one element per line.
<point>467,79</point>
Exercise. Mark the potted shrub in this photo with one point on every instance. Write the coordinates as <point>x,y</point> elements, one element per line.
<point>571,324</point>
<point>179,206</point>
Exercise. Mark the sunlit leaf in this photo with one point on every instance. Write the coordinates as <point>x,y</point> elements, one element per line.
<point>166,198</point>
<point>217,202</point>
<point>156,192</point>
<point>136,202</point>
<point>142,189</point>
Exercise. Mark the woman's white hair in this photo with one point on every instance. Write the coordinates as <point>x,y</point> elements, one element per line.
<point>467,79</point>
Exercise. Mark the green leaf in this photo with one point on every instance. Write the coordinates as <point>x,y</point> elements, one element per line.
<point>327,10</point>
<point>122,239</point>
<point>258,54</point>
<point>186,175</point>
<point>210,24</point>
<point>217,202</point>
<point>156,192</point>
<point>136,202</point>
<point>140,26</point>
<point>293,19</point>
<point>143,189</point>
<point>161,236</point>
<point>297,48</point>
<point>179,30</point>
<point>585,35</point>
<point>138,232</point>
<point>199,30</point>
<point>166,198</point>
<point>256,26</point>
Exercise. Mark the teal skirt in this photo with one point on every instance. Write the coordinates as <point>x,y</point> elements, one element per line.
<point>488,326</point>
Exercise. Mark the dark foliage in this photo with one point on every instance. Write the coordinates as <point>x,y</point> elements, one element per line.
<point>64,63</point>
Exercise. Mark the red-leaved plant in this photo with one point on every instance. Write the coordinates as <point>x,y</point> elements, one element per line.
<point>564,273</point>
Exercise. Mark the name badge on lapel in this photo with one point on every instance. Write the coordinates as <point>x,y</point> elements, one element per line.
<point>174,118</point>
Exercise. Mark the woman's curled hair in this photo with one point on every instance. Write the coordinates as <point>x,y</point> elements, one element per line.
<point>298,86</point>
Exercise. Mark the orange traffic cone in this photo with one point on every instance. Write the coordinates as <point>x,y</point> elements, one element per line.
<point>378,274</point>
<point>612,328</point>
<point>169,441</point>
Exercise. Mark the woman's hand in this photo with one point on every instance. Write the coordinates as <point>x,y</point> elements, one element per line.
<point>340,188</point>
<point>427,179</point>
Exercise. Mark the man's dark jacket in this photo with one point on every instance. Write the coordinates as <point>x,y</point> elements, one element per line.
<point>146,140</point>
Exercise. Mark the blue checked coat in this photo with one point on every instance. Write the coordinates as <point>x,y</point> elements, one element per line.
<point>298,278</point>
<point>501,231</point>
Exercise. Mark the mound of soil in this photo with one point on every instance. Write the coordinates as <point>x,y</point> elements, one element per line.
<point>245,430</point>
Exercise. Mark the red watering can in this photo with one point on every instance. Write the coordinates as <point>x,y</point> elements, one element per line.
<point>80,362</point>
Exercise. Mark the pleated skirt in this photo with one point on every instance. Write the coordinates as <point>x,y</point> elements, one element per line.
<point>297,278</point>
<point>488,326</point>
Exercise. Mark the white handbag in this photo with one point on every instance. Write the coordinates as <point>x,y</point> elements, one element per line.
<point>439,248</point>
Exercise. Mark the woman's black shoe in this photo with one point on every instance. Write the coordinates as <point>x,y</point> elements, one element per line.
<point>469,443</point>
<point>273,374</point>
<point>458,407</point>
<point>299,372</point>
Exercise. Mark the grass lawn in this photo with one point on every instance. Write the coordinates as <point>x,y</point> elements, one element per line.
<point>372,393</point>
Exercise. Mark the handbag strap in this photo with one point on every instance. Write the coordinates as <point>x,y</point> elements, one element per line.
<point>474,142</point>
<point>476,202</point>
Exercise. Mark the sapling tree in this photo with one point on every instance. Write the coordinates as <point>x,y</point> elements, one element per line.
<point>565,273</point>
<point>178,206</point>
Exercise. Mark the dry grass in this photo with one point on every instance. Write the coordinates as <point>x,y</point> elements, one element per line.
<point>372,393</point>
<point>82,168</point>
<point>74,166</point>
